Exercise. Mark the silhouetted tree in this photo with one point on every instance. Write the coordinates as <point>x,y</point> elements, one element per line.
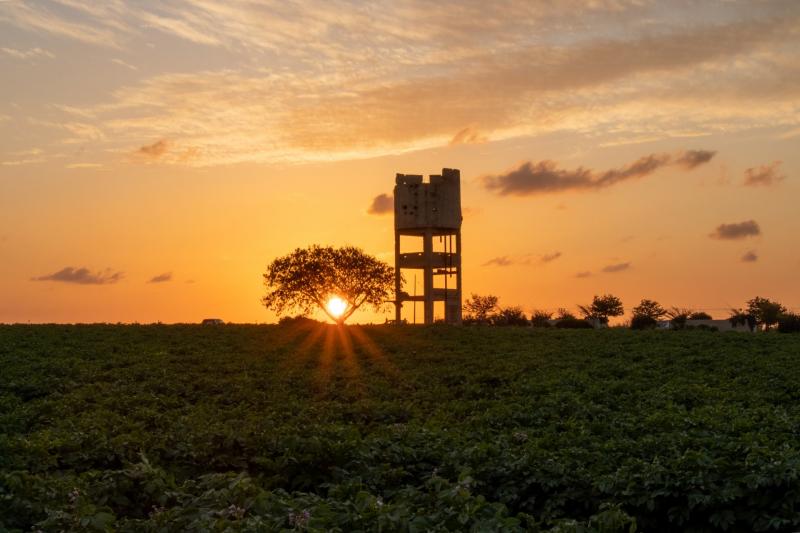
<point>740,317</point>
<point>765,311</point>
<point>789,323</point>
<point>309,277</point>
<point>510,316</point>
<point>678,316</point>
<point>699,315</point>
<point>479,309</point>
<point>603,307</point>
<point>564,314</point>
<point>573,323</point>
<point>650,309</point>
<point>540,318</point>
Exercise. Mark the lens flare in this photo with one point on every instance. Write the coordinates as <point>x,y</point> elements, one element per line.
<point>336,306</point>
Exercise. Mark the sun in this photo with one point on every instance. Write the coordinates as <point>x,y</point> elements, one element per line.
<point>336,306</point>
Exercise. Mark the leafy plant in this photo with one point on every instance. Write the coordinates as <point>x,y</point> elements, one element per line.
<point>323,428</point>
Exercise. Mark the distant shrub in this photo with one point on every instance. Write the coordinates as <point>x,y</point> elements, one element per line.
<point>742,318</point>
<point>602,308</point>
<point>789,323</point>
<point>573,323</point>
<point>643,322</point>
<point>479,309</point>
<point>540,319</point>
<point>298,320</point>
<point>678,317</point>
<point>510,316</point>
<point>564,314</point>
<point>649,308</point>
<point>766,312</point>
<point>699,315</point>
<point>703,327</point>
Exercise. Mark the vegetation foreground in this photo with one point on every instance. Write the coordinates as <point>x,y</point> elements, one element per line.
<point>307,427</point>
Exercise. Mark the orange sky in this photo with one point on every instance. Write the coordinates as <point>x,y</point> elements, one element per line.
<point>602,145</point>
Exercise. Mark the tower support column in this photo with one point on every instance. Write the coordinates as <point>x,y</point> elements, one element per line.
<point>427,252</point>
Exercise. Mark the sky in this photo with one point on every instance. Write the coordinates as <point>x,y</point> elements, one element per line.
<point>157,156</point>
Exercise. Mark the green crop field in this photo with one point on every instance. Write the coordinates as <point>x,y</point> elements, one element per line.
<point>303,427</point>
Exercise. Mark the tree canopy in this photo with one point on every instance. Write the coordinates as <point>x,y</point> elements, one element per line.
<point>650,309</point>
<point>479,309</point>
<point>310,277</point>
<point>765,311</point>
<point>603,307</point>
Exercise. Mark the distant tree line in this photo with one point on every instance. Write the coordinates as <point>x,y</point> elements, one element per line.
<point>759,314</point>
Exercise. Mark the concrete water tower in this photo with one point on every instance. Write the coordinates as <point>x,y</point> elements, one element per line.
<point>432,212</point>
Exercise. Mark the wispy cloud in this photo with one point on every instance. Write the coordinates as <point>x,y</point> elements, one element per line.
<point>155,150</point>
<point>41,19</point>
<point>436,75</point>
<point>736,230</point>
<point>382,204</point>
<point>583,274</point>
<point>545,176</point>
<point>122,63</point>
<point>161,278</point>
<point>84,165</point>
<point>501,261</point>
<point>694,158</point>
<point>30,53</point>
<point>547,258</point>
<point>750,257</point>
<point>524,259</point>
<point>82,276</point>
<point>617,267</point>
<point>468,135</point>
<point>765,175</point>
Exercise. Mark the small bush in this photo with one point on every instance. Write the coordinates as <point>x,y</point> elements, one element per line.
<point>564,314</point>
<point>740,318</point>
<point>703,327</point>
<point>510,316</point>
<point>297,321</point>
<point>699,315</point>
<point>540,319</point>
<point>573,323</point>
<point>643,322</point>
<point>789,323</point>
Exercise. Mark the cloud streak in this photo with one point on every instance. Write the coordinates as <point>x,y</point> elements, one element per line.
<point>82,276</point>
<point>546,177</point>
<point>617,267</point>
<point>548,258</point>
<point>526,259</point>
<point>764,175</point>
<point>155,150</point>
<point>750,257</point>
<point>736,231</point>
<point>502,261</point>
<point>161,278</point>
<point>438,75</point>
<point>30,53</point>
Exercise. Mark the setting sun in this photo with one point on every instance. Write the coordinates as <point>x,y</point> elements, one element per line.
<point>336,306</point>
